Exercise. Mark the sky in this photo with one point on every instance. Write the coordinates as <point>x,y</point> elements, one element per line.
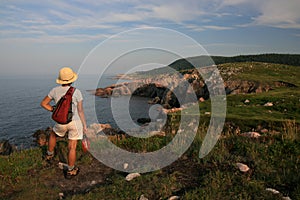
<point>39,37</point>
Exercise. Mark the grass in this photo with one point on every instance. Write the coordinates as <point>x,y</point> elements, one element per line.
<point>286,106</point>
<point>273,159</point>
<point>16,181</point>
<point>262,72</point>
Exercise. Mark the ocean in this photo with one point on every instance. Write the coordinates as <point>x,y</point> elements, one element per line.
<point>21,114</point>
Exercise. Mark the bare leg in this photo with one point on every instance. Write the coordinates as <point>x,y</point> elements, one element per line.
<point>72,152</point>
<point>52,141</point>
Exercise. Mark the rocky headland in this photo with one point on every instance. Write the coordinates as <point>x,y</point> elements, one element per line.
<point>160,88</point>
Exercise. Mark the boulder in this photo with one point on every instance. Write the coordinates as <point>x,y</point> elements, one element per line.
<point>251,134</point>
<point>268,104</point>
<point>41,137</point>
<point>95,130</point>
<point>242,167</point>
<point>142,197</point>
<point>131,176</point>
<point>162,89</point>
<point>244,87</point>
<point>6,148</point>
<point>174,198</point>
<point>143,120</point>
<point>156,100</point>
<point>104,92</point>
<point>272,190</point>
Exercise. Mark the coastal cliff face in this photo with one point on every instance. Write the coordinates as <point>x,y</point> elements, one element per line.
<point>163,87</point>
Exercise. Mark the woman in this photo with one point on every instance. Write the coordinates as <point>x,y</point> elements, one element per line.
<point>76,128</point>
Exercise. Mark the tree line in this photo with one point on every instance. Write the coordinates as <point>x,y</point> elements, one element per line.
<point>201,61</point>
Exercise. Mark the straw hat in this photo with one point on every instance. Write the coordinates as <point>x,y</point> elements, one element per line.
<point>66,76</point>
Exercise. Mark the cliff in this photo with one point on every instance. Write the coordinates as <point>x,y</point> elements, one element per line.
<point>241,78</point>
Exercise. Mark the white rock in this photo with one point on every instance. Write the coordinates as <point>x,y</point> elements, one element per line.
<point>251,134</point>
<point>264,130</point>
<point>61,195</point>
<point>62,165</point>
<point>242,167</point>
<point>142,197</point>
<point>180,131</point>
<point>286,198</point>
<point>174,198</point>
<point>191,124</point>
<point>269,104</point>
<point>125,165</point>
<point>131,176</point>
<point>247,101</point>
<point>158,133</point>
<point>273,190</point>
<point>207,113</point>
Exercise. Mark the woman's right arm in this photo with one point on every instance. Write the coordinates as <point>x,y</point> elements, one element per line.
<point>82,116</point>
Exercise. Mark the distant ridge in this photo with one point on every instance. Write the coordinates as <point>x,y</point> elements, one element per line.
<point>288,59</point>
<point>200,61</point>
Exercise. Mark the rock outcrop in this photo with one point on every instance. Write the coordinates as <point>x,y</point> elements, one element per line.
<point>6,148</point>
<point>42,136</point>
<point>245,87</point>
<point>165,88</point>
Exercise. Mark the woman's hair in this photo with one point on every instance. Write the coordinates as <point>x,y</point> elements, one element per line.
<point>67,84</point>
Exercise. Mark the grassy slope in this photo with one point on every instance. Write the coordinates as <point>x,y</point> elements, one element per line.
<point>274,159</point>
<point>286,100</point>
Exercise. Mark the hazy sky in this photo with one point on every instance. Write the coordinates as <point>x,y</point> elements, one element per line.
<point>39,37</point>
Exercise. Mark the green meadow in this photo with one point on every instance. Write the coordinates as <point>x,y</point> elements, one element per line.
<point>273,158</point>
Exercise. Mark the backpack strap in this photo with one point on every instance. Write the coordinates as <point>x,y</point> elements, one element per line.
<point>70,91</point>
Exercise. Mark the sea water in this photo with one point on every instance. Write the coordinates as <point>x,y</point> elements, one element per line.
<point>21,114</point>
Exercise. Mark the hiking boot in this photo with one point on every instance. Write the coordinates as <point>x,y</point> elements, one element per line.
<point>49,157</point>
<point>71,173</point>
<point>48,160</point>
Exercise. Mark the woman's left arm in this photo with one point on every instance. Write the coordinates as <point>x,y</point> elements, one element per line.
<point>46,104</point>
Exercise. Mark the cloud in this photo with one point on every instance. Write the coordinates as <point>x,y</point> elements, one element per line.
<point>199,28</point>
<point>54,19</point>
<point>55,39</point>
<point>212,27</point>
<point>193,27</point>
<point>233,2</point>
<point>280,14</point>
<point>175,12</point>
<point>273,13</point>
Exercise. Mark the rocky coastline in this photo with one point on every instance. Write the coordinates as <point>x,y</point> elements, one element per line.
<point>161,88</point>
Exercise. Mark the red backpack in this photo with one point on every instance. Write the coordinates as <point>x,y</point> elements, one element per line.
<point>62,112</point>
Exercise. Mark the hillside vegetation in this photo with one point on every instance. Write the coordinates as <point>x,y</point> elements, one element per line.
<point>272,158</point>
<point>200,61</point>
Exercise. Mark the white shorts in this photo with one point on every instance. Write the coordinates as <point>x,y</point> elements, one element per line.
<point>74,129</point>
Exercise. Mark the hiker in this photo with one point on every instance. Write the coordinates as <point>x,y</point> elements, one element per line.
<point>76,128</point>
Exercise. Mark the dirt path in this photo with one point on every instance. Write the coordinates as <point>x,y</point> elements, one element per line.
<point>91,175</point>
